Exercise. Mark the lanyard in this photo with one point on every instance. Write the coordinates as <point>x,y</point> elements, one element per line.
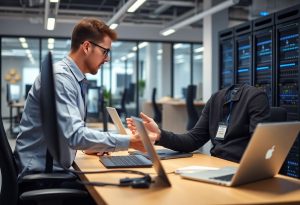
<point>229,114</point>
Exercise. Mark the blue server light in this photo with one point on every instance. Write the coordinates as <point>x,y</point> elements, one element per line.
<point>264,13</point>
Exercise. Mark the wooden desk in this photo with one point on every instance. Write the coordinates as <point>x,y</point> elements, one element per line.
<point>280,189</point>
<point>174,113</point>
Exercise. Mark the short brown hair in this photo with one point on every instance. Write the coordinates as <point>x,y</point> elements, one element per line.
<point>90,29</point>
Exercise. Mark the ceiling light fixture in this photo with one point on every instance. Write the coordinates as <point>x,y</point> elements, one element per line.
<point>22,40</point>
<point>135,6</point>
<point>51,10</point>
<point>172,29</point>
<point>198,50</point>
<point>113,26</point>
<point>141,45</point>
<point>117,16</point>
<point>50,24</point>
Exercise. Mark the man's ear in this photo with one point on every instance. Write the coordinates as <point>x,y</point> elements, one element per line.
<point>85,47</point>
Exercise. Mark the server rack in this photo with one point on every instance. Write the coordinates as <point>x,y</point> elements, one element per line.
<point>288,78</point>
<point>243,47</point>
<point>263,55</point>
<point>226,58</point>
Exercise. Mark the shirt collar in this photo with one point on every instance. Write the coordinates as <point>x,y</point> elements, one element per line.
<point>74,68</point>
<point>236,97</point>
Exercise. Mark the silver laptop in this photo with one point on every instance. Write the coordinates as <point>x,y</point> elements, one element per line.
<point>162,178</point>
<point>116,120</point>
<point>262,159</point>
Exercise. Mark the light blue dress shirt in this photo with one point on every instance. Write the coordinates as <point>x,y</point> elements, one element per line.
<point>30,150</point>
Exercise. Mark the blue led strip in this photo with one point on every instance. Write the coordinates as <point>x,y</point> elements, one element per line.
<point>245,56</point>
<point>263,68</point>
<point>227,72</point>
<point>290,48</point>
<point>242,70</point>
<point>289,37</point>
<point>263,53</point>
<point>287,65</point>
<point>244,47</point>
<point>264,42</point>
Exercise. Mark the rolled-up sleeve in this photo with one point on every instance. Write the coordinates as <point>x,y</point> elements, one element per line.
<point>71,124</point>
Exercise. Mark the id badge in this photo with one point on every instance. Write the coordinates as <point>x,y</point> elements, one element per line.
<point>221,131</point>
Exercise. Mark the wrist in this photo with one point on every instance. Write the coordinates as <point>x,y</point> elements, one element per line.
<point>158,135</point>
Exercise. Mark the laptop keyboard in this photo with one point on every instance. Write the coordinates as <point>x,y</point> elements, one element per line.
<point>125,161</point>
<point>224,178</point>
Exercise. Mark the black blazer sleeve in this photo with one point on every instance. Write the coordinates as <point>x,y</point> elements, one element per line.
<point>191,140</point>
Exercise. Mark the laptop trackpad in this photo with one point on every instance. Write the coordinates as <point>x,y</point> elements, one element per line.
<point>211,173</point>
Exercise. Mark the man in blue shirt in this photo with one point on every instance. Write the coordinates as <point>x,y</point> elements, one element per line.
<point>90,47</point>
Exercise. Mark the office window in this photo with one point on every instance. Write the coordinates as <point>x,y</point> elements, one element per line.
<point>60,48</point>
<point>149,70</point>
<point>18,57</point>
<point>197,69</point>
<point>123,74</point>
<point>182,68</point>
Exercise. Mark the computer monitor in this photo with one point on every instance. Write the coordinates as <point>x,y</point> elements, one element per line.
<point>56,145</point>
<point>27,89</point>
<point>13,92</point>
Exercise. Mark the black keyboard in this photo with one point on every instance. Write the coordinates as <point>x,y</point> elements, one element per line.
<point>125,161</point>
<point>224,178</point>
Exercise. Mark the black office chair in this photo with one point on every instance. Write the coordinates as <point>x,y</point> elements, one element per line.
<point>122,110</point>
<point>10,192</point>
<point>156,111</point>
<point>278,114</point>
<point>191,109</point>
<point>43,188</point>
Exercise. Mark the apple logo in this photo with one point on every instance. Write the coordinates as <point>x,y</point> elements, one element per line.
<point>269,153</point>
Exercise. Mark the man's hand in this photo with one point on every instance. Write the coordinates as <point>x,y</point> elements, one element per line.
<point>149,123</point>
<point>137,143</point>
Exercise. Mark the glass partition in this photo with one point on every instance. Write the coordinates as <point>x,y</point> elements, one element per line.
<point>123,77</point>
<point>60,48</point>
<point>21,63</point>
<point>182,69</point>
<point>19,67</point>
<point>198,70</point>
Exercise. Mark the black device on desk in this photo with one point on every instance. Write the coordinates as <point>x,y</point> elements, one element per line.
<point>164,154</point>
<point>129,161</point>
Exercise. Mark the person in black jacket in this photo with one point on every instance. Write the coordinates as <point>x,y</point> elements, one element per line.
<point>228,120</point>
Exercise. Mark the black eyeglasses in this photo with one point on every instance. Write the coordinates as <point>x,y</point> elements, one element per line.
<point>105,50</point>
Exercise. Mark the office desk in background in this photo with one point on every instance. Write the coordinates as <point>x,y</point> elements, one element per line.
<point>18,106</point>
<point>281,189</point>
<point>174,113</point>
<point>99,126</point>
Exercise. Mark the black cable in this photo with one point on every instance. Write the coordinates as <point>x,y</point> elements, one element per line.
<point>108,171</point>
<point>141,182</point>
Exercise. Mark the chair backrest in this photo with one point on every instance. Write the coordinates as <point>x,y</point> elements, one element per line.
<point>8,168</point>
<point>191,109</point>
<point>124,101</point>
<point>56,145</point>
<point>278,114</point>
<point>156,110</point>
